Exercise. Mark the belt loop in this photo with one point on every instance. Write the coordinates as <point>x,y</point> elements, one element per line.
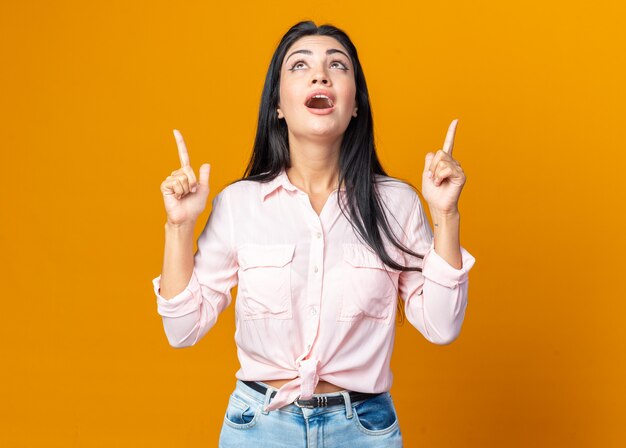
<point>266,402</point>
<point>346,399</point>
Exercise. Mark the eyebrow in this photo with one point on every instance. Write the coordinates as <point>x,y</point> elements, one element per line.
<point>309,52</point>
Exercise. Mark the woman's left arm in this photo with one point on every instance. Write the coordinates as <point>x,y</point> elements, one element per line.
<point>447,240</point>
<point>442,182</point>
<point>436,298</point>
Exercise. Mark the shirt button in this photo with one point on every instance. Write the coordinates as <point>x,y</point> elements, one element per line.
<point>312,311</point>
<point>319,234</point>
<point>315,269</point>
<point>308,347</point>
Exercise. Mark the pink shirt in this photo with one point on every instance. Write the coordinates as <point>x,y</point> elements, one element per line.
<point>313,303</point>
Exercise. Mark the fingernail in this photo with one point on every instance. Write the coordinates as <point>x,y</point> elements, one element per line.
<point>193,190</point>
<point>430,174</point>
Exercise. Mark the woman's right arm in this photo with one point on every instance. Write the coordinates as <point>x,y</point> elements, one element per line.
<point>184,199</point>
<point>177,259</point>
<point>193,290</point>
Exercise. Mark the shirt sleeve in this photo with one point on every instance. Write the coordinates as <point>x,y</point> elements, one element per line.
<point>435,299</point>
<point>189,315</point>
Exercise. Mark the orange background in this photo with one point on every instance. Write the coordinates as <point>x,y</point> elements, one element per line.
<point>90,95</point>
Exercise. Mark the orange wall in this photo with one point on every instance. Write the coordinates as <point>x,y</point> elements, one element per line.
<point>90,95</point>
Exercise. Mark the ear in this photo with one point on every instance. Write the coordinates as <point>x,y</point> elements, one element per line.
<point>354,113</point>
<point>280,113</point>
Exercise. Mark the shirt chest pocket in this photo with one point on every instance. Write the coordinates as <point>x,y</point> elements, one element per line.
<point>369,287</point>
<point>264,289</point>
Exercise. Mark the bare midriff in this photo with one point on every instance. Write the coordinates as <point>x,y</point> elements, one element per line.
<point>323,387</point>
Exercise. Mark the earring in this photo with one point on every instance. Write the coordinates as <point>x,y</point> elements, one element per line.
<point>278,111</point>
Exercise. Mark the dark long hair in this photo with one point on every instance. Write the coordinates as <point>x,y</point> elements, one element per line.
<point>358,161</point>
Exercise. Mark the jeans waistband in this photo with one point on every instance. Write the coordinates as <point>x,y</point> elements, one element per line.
<point>317,400</point>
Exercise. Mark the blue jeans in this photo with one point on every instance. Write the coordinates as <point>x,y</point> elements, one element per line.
<point>372,423</point>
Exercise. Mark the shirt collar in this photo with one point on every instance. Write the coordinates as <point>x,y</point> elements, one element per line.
<point>282,180</point>
<point>279,181</point>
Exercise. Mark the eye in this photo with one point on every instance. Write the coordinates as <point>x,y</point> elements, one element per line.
<point>339,62</point>
<point>293,66</point>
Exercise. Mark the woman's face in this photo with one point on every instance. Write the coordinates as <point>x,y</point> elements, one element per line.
<point>312,64</point>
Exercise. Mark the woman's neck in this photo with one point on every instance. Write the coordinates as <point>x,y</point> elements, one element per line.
<point>314,166</point>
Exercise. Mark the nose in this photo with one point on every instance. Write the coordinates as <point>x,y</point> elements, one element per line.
<point>320,78</point>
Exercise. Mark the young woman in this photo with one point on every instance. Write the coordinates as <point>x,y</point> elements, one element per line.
<point>321,242</point>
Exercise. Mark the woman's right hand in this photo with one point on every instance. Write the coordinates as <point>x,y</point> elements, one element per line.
<point>184,197</point>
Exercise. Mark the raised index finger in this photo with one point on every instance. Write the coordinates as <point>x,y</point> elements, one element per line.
<point>449,143</point>
<point>183,155</point>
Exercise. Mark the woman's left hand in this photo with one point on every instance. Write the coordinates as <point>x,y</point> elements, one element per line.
<point>443,188</point>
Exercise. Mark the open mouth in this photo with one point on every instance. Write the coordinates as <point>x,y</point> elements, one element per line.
<point>319,102</point>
